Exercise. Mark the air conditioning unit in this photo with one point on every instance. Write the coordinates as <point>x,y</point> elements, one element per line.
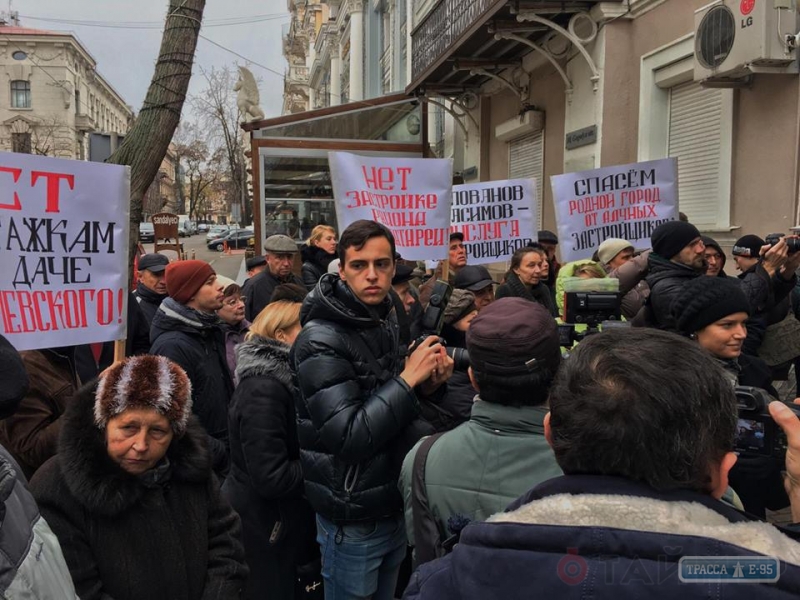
<point>736,38</point>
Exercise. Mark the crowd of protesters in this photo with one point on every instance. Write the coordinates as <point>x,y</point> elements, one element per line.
<point>307,436</point>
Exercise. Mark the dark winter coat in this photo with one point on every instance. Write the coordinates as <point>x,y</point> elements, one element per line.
<point>148,302</point>
<point>265,484</point>
<point>171,538</point>
<point>195,342</point>
<point>605,538</point>
<point>31,433</point>
<point>315,264</point>
<point>233,336</point>
<point>513,287</point>
<point>769,303</point>
<point>355,424</point>
<point>259,291</point>
<point>666,280</point>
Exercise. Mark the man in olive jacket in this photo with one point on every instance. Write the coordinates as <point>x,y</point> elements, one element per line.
<point>481,466</point>
<point>358,414</point>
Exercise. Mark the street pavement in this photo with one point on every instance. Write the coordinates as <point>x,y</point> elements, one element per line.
<point>228,265</point>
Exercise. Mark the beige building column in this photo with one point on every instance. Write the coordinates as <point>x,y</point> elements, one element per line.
<point>356,50</point>
<point>335,52</point>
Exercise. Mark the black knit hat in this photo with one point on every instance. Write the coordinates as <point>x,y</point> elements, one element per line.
<point>748,245</point>
<point>671,237</point>
<point>706,300</point>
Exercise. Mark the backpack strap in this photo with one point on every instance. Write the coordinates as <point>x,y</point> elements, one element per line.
<point>427,537</point>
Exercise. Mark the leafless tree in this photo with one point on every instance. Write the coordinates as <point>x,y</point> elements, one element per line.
<point>148,140</point>
<point>220,116</point>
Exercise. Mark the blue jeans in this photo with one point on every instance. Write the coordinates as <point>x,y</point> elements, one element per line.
<point>361,560</point>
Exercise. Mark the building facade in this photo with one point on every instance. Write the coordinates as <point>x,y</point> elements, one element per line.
<point>544,89</point>
<point>53,95</point>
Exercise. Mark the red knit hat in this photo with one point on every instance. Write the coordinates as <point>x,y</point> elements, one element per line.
<point>185,277</point>
<point>144,382</point>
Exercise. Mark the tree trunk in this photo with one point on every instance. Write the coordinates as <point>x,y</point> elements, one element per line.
<point>147,142</point>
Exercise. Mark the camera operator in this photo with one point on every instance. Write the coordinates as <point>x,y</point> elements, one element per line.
<point>620,261</point>
<point>358,407</point>
<point>713,311</point>
<point>767,276</point>
<point>646,452</point>
<point>478,468</point>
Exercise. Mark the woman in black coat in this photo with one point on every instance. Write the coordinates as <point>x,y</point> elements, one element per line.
<point>265,484</point>
<point>131,495</point>
<point>317,254</point>
<point>525,278</point>
<point>714,312</point>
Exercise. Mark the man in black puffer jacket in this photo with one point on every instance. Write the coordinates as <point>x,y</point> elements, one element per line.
<point>358,414</point>
<point>678,257</point>
<point>186,330</point>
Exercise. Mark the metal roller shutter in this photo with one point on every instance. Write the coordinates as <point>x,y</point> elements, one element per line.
<point>526,161</point>
<point>695,128</point>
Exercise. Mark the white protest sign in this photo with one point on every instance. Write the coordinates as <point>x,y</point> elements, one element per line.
<point>625,201</point>
<point>495,217</point>
<point>64,235</point>
<point>410,196</point>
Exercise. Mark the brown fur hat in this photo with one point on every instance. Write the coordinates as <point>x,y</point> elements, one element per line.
<point>144,382</point>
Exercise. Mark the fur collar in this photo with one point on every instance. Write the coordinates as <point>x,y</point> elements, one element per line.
<point>655,516</point>
<point>98,483</point>
<point>260,356</point>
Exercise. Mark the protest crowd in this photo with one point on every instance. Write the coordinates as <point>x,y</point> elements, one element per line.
<point>368,428</point>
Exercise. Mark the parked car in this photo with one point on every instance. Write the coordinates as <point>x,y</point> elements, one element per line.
<point>147,232</point>
<point>235,239</point>
<point>217,231</point>
<point>203,227</point>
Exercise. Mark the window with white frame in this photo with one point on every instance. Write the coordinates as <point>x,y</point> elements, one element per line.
<point>20,94</point>
<point>679,118</point>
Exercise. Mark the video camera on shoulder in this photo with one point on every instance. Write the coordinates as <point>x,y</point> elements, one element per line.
<point>756,431</point>
<point>595,303</point>
<point>433,321</point>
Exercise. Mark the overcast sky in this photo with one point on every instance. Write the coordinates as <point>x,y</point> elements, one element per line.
<point>126,56</point>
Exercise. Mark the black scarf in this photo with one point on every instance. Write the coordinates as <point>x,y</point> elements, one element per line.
<point>539,293</point>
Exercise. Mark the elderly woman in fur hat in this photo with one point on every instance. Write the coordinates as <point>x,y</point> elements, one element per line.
<point>131,495</point>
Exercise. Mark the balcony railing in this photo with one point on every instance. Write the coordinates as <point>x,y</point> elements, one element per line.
<point>442,28</point>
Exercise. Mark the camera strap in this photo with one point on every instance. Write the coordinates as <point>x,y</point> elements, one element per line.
<point>368,354</point>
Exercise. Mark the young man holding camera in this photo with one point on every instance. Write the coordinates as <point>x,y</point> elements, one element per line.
<point>358,414</point>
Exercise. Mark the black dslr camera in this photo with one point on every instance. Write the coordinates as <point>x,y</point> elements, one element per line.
<point>592,309</point>
<point>433,321</point>
<point>792,243</point>
<point>756,431</point>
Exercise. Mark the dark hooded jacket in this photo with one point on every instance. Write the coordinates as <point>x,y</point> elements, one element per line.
<point>196,343</point>
<point>355,414</point>
<point>605,538</point>
<point>148,301</point>
<point>513,287</point>
<point>315,264</point>
<point>265,484</point>
<point>31,433</point>
<point>167,535</point>
<point>666,280</point>
<point>31,561</point>
<point>258,291</point>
